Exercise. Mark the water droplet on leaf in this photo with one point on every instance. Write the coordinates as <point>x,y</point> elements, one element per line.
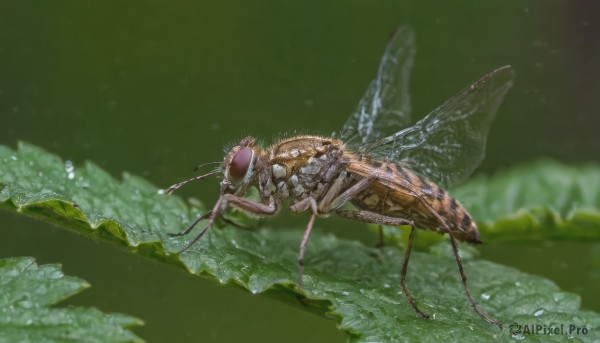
<point>70,169</point>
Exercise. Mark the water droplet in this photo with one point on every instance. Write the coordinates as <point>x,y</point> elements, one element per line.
<point>485,296</point>
<point>538,312</point>
<point>13,157</point>
<point>517,284</point>
<point>70,169</point>
<point>345,293</point>
<point>518,337</point>
<point>161,191</point>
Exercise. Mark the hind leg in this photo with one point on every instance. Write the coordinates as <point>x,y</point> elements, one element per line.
<point>375,218</point>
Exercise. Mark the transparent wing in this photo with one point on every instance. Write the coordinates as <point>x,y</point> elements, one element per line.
<point>449,143</point>
<point>385,106</point>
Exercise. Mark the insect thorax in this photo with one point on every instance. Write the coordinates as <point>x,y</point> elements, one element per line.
<point>305,166</point>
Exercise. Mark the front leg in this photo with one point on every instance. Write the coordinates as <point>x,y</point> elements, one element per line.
<point>243,204</point>
<point>191,227</point>
<point>301,206</point>
<point>251,206</point>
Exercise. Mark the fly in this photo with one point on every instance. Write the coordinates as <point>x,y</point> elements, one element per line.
<point>377,169</point>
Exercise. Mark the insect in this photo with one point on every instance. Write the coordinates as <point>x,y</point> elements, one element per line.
<point>388,172</point>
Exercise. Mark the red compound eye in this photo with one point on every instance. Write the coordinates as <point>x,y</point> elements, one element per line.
<point>239,165</point>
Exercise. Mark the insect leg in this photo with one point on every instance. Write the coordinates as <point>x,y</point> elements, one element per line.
<point>219,207</point>
<point>332,192</point>
<point>410,298</point>
<point>302,206</point>
<point>352,192</point>
<point>251,206</point>
<point>373,218</point>
<point>380,234</point>
<point>464,282</point>
<point>241,203</point>
<point>202,217</point>
<point>332,201</point>
<point>376,218</point>
<point>234,223</point>
<point>461,269</point>
<point>380,239</point>
<point>186,231</point>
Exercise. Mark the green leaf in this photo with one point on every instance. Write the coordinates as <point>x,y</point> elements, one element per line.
<point>541,200</point>
<point>27,292</point>
<point>344,280</point>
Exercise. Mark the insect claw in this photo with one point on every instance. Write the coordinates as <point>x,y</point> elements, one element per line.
<point>422,315</point>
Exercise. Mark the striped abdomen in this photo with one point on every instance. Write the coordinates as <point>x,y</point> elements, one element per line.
<point>397,192</point>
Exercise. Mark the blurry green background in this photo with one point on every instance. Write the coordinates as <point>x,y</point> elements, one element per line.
<point>156,87</point>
